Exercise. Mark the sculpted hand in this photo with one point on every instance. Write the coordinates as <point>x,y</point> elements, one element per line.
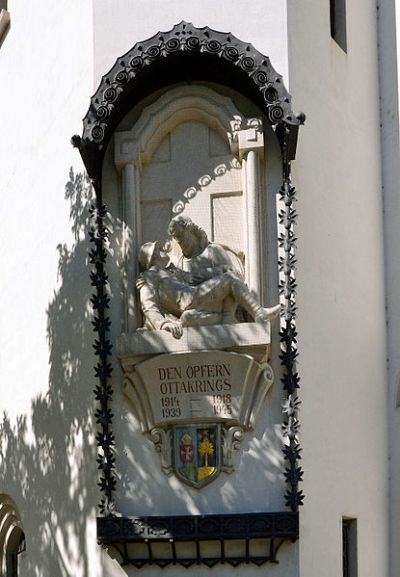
<point>173,327</point>
<point>267,314</point>
<point>273,312</point>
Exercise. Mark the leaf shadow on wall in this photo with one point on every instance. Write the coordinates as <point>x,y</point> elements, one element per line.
<point>48,457</point>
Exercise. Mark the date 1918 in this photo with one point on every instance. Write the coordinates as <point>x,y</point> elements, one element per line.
<point>222,405</point>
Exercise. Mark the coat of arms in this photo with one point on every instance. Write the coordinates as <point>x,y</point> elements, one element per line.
<point>197,458</point>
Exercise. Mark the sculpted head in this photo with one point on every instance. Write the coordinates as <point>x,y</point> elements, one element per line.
<point>191,237</point>
<point>154,253</point>
<point>146,254</point>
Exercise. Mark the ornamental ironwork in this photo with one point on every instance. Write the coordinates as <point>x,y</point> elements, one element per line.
<point>257,538</point>
<point>184,54</point>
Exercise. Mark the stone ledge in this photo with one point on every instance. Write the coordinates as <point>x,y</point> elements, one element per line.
<point>219,337</point>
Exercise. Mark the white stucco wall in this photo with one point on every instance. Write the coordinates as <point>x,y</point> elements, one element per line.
<point>389,43</point>
<point>341,288</point>
<point>45,62</point>
<point>46,71</point>
<point>119,25</point>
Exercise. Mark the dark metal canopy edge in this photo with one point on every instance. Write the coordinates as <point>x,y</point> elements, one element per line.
<point>184,54</point>
<point>123,533</point>
<point>192,527</point>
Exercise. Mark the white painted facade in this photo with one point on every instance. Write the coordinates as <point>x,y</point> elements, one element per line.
<point>346,172</point>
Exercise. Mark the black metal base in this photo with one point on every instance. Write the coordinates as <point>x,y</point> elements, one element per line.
<point>194,539</point>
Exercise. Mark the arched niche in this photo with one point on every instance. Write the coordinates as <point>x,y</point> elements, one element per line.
<point>120,141</point>
<point>187,55</point>
<point>192,151</point>
<point>12,539</point>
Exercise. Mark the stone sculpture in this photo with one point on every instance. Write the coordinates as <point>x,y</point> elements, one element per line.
<point>189,281</point>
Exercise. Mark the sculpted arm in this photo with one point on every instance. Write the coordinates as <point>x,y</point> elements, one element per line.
<point>155,318</point>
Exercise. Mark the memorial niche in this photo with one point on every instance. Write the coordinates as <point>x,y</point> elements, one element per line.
<point>187,54</point>
<point>190,298</point>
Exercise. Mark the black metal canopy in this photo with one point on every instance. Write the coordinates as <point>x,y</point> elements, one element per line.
<point>184,54</point>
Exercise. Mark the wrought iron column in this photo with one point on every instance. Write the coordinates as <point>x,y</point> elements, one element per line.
<point>288,334</point>
<point>100,300</point>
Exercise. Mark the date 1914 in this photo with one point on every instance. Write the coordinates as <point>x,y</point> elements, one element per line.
<point>170,407</point>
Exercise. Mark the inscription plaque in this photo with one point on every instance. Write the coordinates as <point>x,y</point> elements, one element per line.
<point>216,393</point>
<point>204,386</point>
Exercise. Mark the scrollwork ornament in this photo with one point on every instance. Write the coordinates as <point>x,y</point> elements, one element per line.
<point>136,63</point>
<point>190,192</point>
<point>122,77</point>
<point>260,77</point>
<point>270,95</point>
<point>178,207</point>
<point>247,63</point>
<point>205,180</point>
<point>172,45</point>
<point>193,43</point>
<point>220,170</point>
<point>268,373</point>
<point>213,46</point>
<point>102,112</point>
<point>275,113</point>
<point>153,52</point>
<point>97,133</point>
<point>232,441</point>
<point>231,53</point>
<point>110,94</point>
<point>162,440</point>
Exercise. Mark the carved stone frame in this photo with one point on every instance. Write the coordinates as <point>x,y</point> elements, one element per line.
<point>133,149</point>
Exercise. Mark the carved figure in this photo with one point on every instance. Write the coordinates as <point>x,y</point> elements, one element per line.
<point>201,287</point>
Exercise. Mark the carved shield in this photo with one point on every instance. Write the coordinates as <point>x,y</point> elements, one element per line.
<point>197,453</point>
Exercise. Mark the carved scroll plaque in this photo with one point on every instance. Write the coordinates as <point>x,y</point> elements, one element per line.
<point>207,398</point>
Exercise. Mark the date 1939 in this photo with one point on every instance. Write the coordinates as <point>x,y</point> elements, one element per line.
<point>170,407</point>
